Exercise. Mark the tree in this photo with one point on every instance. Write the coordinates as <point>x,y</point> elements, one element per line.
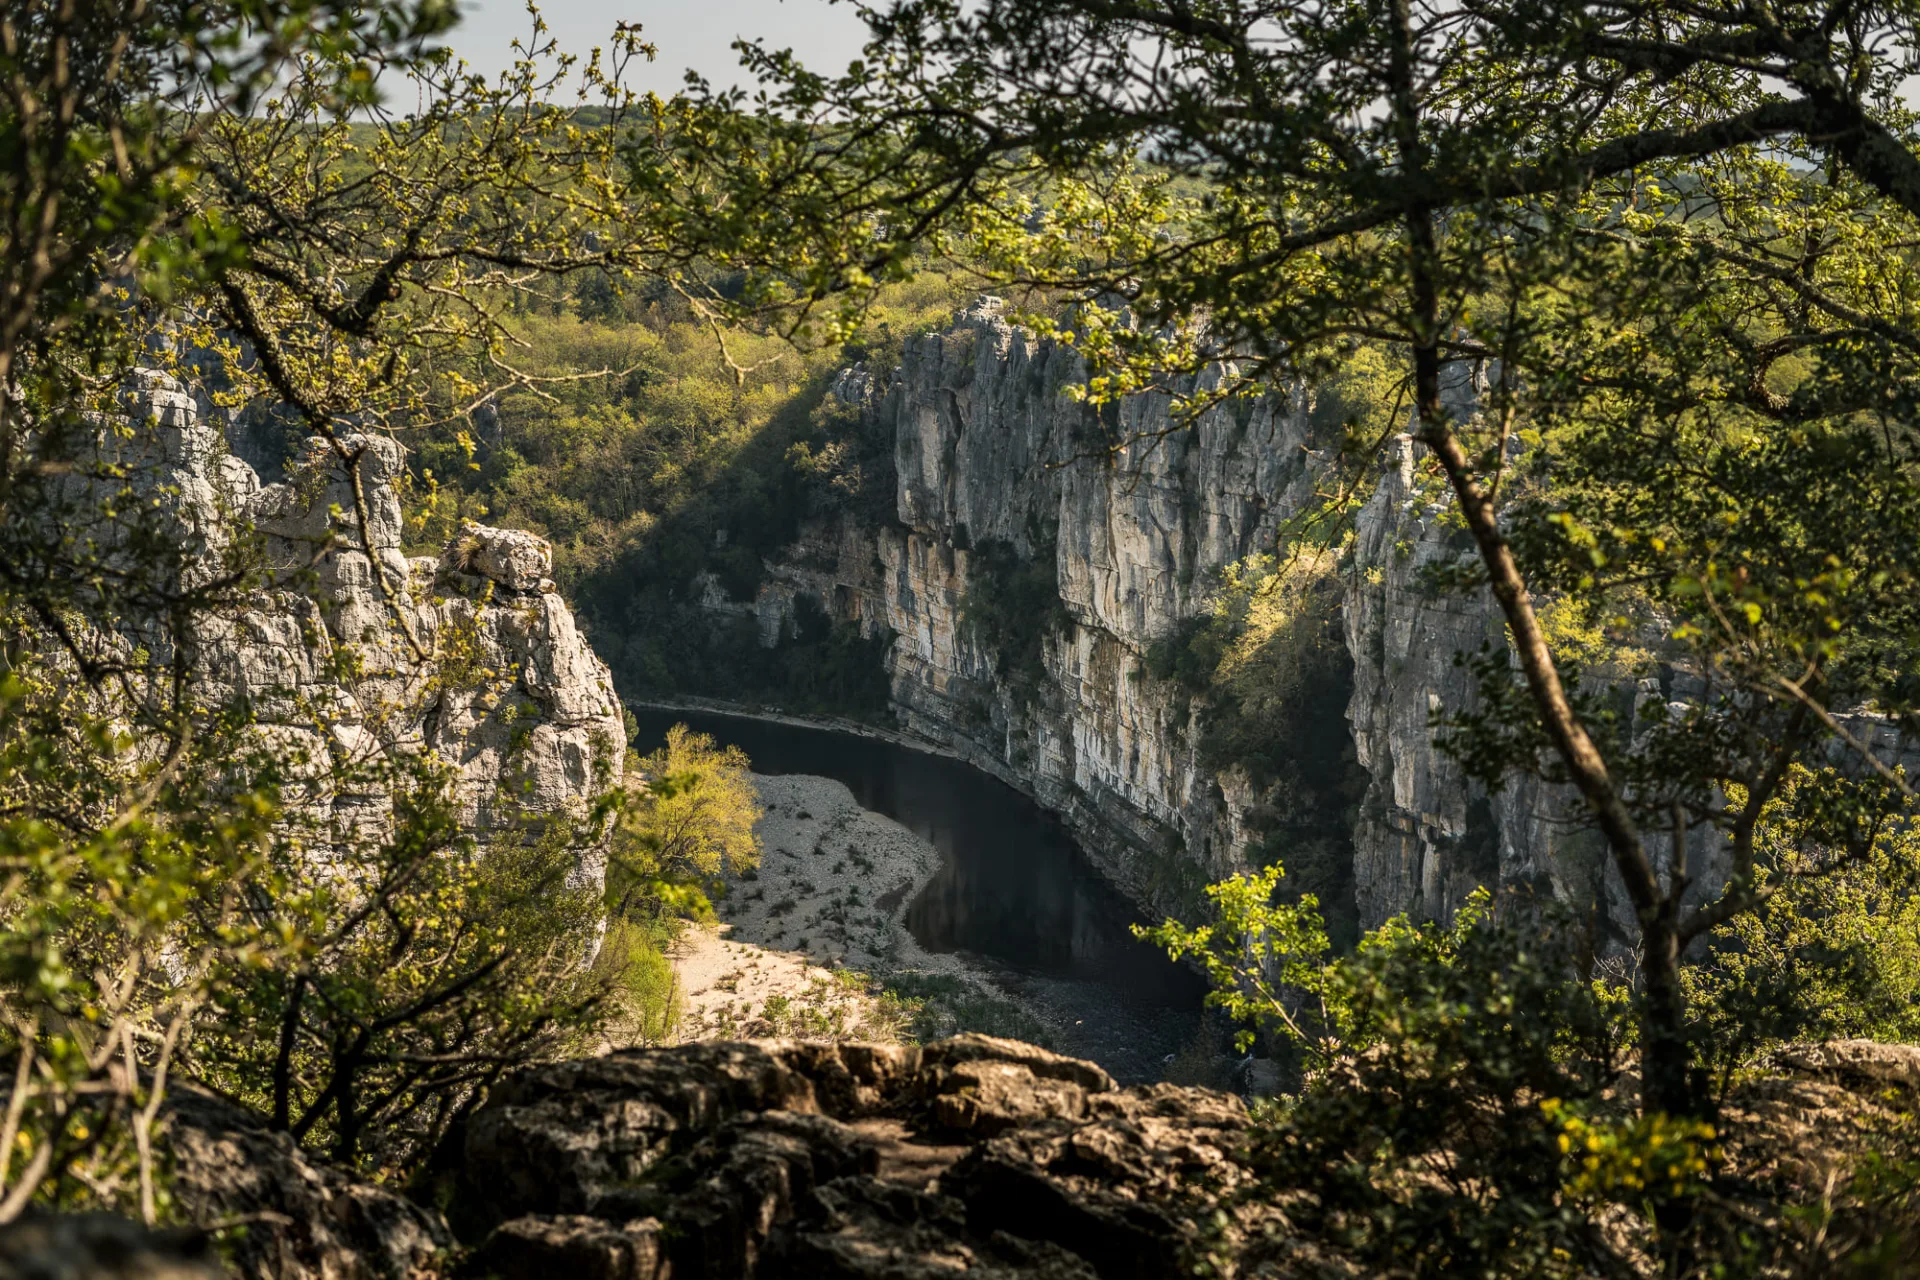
<point>109,829</point>
<point>690,821</point>
<point>1664,246</point>
<point>423,975</point>
<point>219,192</point>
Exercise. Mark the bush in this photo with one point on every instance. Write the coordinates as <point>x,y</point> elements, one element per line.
<point>634,962</point>
<point>687,821</point>
<point>1463,1107</point>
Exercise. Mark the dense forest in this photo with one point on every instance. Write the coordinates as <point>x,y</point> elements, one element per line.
<point>320,414</point>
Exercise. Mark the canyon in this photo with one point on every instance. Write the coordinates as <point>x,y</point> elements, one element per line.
<point>1130,519</point>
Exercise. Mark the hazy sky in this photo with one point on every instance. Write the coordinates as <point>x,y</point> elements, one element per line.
<point>690,33</point>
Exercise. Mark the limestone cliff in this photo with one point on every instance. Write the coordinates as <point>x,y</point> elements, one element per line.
<point>1131,521</point>
<point>352,649</point>
<point>1134,520</point>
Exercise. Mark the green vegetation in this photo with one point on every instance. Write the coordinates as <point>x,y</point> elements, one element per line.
<point>1640,280</point>
<point>688,824</point>
<point>685,825</point>
<point>270,889</point>
<point>687,464</point>
<point>633,961</point>
<point>1834,955</point>
<point>935,1005</point>
<point>1012,606</point>
<point>1270,659</point>
<point>1471,1047</point>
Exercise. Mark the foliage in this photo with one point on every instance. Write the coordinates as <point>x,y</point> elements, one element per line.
<point>1422,1133</point>
<point>684,469</point>
<point>1833,951</point>
<point>421,974</point>
<point>99,991</point>
<point>634,961</point>
<point>1647,1158</point>
<point>1012,606</point>
<point>1443,1124</point>
<point>1461,1111</point>
<point>1262,959</point>
<point>1642,272</point>
<point>690,823</point>
<point>219,192</point>
<point>1269,658</point>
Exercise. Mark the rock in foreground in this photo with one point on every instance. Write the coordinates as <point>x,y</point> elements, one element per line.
<point>775,1159</point>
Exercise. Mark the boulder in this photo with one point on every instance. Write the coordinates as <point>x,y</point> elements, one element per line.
<point>1856,1062</point>
<point>304,1219</point>
<point>100,1246</point>
<point>513,558</point>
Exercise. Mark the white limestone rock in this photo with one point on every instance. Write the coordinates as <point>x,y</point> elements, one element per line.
<point>356,648</point>
<point>512,558</point>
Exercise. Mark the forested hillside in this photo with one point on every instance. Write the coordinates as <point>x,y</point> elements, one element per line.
<point>663,458</point>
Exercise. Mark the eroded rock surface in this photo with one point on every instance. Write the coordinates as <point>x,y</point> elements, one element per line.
<point>970,1156</point>
<point>303,1219</point>
<point>355,650</point>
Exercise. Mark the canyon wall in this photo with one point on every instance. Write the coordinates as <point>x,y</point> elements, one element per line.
<point>1099,539</point>
<point>350,651</point>
<point>1138,519</point>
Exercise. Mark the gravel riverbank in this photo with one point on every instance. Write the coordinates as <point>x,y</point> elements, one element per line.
<point>815,944</point>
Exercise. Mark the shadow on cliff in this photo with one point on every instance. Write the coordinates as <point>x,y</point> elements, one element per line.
<point>1272,664</point>
<point>674,612</point>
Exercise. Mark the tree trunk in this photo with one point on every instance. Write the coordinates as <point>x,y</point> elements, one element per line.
<point>1666,1059</point>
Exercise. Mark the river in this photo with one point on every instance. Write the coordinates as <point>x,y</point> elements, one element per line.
<point>1014,896</point>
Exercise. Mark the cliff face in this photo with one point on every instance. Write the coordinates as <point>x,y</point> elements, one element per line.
<point>1426,836</point>
<point>1135,520</point>
<point>996,466</point>
<point>354,650</point>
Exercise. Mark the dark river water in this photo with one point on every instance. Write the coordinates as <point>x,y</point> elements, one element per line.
<point>1014,894</point>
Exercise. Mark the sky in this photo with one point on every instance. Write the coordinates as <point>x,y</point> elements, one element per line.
<point>689,33</point>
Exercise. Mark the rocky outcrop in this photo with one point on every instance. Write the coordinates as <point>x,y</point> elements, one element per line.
<point>779,1160</point>
<point>285,1214</point>
<point>352,652</point>
<point>1426,836</point>
<point>990,1158</point>
<point>772,1158</point>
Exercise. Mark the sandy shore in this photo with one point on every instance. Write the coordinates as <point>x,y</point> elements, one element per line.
<point>806,944</point>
